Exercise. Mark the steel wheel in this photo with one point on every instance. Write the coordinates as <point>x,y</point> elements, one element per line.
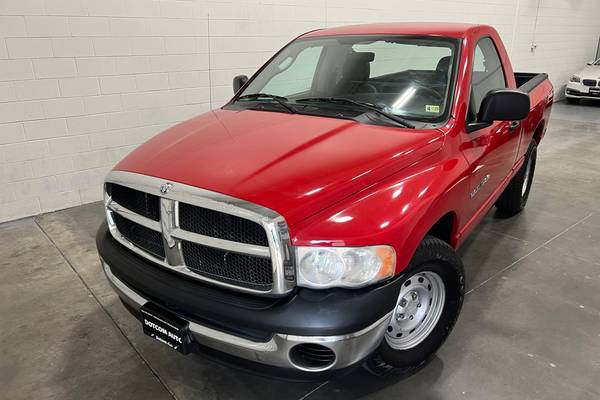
<point>418,310</point>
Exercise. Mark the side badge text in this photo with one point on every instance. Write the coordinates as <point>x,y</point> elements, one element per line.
<point>478,187</point>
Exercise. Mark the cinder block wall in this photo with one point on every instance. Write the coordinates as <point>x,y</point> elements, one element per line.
<point>82,82</point>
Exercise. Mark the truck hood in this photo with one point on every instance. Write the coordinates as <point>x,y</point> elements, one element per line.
<point>589,72</point>
<point>294,164</point>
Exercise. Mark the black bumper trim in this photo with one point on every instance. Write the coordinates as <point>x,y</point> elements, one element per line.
<point>305,312</point>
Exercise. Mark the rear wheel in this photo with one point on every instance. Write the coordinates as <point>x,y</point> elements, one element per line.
<point>572,100</point>
<point>514,198</point>
<point>428,305</point>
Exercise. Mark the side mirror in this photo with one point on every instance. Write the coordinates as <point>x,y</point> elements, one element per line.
<point>504,105</point>
<point>238,82</point>
<point>501,105</point>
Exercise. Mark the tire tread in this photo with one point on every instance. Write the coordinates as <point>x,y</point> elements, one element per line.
<point>511,200</point>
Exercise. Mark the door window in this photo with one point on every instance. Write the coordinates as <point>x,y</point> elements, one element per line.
<point>487,74</point>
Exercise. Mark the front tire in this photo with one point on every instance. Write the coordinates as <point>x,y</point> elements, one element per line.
<point>428,305</point>
<point>514,198</point>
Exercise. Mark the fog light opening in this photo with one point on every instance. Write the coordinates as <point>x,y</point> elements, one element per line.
<point>312,356</point>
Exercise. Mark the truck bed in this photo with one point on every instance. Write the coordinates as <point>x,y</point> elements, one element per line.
<point>527,81</point>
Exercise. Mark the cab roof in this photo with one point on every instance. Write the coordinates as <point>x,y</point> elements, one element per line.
<point>445,29</point>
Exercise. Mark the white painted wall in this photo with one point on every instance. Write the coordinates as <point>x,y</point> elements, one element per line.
<point>82,82</point>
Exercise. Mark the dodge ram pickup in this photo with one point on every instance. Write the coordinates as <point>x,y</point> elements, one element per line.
<point>310,225</point>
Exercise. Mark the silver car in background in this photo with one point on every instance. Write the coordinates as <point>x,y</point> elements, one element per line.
<point>585,84</point>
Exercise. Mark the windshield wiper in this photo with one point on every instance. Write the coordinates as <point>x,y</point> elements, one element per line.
<point>282,101</point>
<point>367,106</point>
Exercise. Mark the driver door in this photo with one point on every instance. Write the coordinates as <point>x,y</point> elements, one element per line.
<point>492,150</point>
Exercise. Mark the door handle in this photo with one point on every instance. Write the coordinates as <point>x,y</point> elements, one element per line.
<point>514,125</point>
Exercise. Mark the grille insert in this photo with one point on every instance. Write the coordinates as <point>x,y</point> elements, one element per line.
<point>229,267</point>
<point>221,225</point>
<point>141,203</point>
<point>589,82</point>
<point>144,238</point>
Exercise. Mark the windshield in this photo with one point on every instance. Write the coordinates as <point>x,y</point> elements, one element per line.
<point>406,76</point>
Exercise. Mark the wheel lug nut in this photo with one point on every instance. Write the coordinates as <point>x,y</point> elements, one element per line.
<point>414,295</point>
<point>402,302</point>
<point>400,316</point>
<point>411,317</point>
<point>419,305</point>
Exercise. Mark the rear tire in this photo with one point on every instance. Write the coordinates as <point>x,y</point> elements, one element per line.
<point>420,325</point>
<point>514,198</point>
<point>572,100</point>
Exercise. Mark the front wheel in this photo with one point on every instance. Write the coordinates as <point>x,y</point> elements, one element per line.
<point>427,307</point>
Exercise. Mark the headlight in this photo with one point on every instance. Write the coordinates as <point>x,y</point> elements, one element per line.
<point>575,79</point>
<point>324,267</point>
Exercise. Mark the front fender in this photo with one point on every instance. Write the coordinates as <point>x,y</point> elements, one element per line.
<point>398,211</point>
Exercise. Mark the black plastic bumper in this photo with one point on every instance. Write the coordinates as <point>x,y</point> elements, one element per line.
<point>305,312</point>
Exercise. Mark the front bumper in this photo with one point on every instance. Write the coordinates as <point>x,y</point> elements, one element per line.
<point>580,91</point>
<point>254,341</point>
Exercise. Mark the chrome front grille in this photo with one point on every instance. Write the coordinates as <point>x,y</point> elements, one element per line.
<point>204,235</point>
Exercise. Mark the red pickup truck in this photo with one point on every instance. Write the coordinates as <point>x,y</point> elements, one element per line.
<point>311,224</point>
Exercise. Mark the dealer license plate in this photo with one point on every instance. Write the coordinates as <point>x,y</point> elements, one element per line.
<point>166,327</point>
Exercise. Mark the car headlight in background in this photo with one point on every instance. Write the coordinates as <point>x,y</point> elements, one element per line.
<point>351,267</point>
<point>575,79</point>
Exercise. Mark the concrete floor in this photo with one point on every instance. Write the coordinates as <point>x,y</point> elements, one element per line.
<point>529,329</point>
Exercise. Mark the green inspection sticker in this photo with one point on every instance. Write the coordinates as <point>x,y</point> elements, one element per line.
<point>430,108</point>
